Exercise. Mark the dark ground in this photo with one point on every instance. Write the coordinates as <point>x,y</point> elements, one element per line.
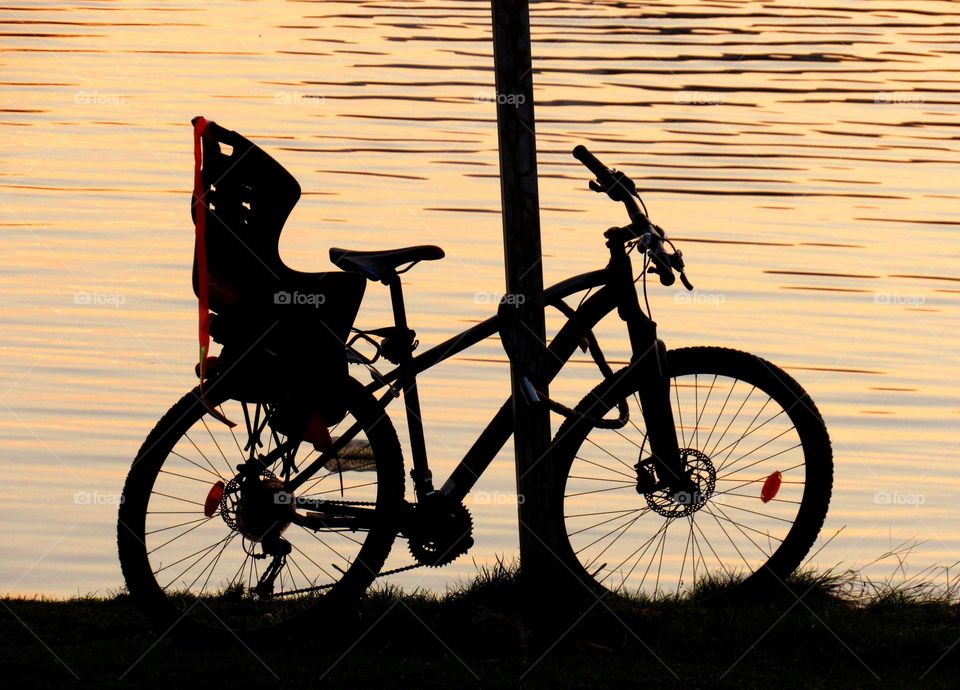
<point>807,635</point>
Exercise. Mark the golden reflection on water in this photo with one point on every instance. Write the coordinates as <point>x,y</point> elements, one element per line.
<point>804,157</point>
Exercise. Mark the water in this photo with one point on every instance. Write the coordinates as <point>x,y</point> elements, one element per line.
<point>804,157</point>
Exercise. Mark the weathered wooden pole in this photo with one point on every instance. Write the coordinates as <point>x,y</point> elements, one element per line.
<point>523,326</point>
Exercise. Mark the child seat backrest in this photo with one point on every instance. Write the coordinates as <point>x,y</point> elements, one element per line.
<point>280,328</point>
<point>248,198</point>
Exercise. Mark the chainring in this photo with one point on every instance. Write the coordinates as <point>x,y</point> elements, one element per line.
<point>438,531</point>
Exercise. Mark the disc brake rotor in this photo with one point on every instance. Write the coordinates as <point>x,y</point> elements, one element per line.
<point>678,504</point>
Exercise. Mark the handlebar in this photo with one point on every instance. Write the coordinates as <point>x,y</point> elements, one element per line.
<point>615,184</point>
<point>592,163</point>
<point>619,187</point>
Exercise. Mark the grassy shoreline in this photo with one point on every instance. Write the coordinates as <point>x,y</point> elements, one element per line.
<point>818,631</point>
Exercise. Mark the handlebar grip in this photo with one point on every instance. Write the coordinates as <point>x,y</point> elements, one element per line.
<point>592,163</point>
<point>663,268</point>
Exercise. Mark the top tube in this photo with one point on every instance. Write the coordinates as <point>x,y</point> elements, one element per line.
<point>483,330</point>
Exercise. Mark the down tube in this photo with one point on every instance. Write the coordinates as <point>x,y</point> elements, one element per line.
<point>500,428</point>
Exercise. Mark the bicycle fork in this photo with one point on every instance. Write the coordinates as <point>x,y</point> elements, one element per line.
<point>664,467</point>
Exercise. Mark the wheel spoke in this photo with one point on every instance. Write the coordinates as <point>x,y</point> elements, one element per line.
<point>726,477</point>
<point>612,542</point>
<point>740,527</point>
<point>616,529</point>
<point>747,527</point>
<point>676,393</point>
<point>217,444</point>
<point>609,453</point>
<point>772,500</point>
<point>730,448</point>
<point>663,549</point>
<point>179,536</point>
<point>757,462</point>
<point>223,543</point>
<point>631,477</point>
<point>595,491</point>
<point>314,535</point>
<point>206,482</point>
<point>317,565</point>
<point>754,512</point>
<point>683,563</point>
<point>733,418</point>
<point>643,443</point>
<point>177,498</point>
<point>180,524</point>
<point>644,547</point>
<point>205,458</point>
<point>630,482</point>
<point>191,555</point>
<point>600,512</point>
<point>712,550</point>
<point>700,411</point>
<point>603,522</point>
<point>706,444</point>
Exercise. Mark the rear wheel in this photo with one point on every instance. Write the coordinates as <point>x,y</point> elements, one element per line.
<point>756,449</point>
<point>192,535</point>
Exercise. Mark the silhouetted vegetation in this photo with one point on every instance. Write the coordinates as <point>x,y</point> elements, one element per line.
<point>820,630</point>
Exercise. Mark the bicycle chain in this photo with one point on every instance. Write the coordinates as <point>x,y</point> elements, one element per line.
<point>382,573</point>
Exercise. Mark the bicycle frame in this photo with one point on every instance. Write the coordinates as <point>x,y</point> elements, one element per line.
<point>648,364</point>
<point>498,431</point>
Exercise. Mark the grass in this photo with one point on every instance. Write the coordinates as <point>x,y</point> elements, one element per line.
<point>821,629</point>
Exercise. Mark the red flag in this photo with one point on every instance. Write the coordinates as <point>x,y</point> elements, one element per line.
<point>200,220</point>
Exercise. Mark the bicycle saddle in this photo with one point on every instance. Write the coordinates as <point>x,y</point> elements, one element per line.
<point>382,265</point>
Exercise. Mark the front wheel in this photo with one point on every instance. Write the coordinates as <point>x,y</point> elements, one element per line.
<point>756,448</point>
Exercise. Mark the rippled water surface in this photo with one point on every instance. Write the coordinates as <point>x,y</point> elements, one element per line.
<point>804,156</point>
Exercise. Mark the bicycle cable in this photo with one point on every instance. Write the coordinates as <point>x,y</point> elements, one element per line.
<point>643,274</point>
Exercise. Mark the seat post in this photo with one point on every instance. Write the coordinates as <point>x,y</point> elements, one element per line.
<point>422,477</point>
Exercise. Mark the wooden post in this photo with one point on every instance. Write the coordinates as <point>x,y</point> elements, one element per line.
<point>523,328</point>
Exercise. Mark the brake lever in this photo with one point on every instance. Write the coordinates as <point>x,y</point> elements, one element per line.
<point>676,261</point>
<point>618,187</point>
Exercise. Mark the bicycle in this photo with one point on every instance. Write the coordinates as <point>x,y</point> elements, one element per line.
<point>228,526</point>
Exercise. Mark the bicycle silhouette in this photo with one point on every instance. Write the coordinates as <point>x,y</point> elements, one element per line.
<point>683,465</point>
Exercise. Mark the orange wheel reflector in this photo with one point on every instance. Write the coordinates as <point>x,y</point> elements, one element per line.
<point>771,486</point>
<point>213,499</point>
